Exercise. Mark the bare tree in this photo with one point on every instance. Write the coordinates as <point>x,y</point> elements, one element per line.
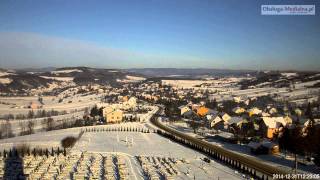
<point>49,124</point>
<point>30,127</point>
<point>194,125</point>
<point>86,111</point>
<point>30,114</point>
<point>2,131</point>
<point>64,124</point>
<point>6,130</point>
<point>22,126</point>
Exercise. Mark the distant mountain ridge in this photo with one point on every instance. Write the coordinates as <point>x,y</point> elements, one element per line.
<point>45,69</point>
<point>165,72</point>
<point>23,80</point>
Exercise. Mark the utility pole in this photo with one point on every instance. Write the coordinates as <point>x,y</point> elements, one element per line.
<point>295,163</point>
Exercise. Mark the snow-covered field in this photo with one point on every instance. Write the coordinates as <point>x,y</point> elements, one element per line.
<point>58,78</point>
<point>153,145</point>
<point>156,150</point>
<point>135,78</point>
<point>38,122</point>
<point>184,83</point>
<point>66,71</point>
<point>216,84</point>
<point>306,84</point>
<point>42,139</point>
<point>5,80</point>
<point>289,74</point>
<point>131,79</point>
<point>2,73</point>
<point>19,105</point>
<point>71,108</point>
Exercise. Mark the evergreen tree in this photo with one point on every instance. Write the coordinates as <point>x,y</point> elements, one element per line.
<point>47,152</point>
<point>292,141</point>
<point>34,152</point>
<point>94,111</point>
<point>10,153</point>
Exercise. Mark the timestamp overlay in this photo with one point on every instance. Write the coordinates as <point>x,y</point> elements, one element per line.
<point>296,176</point>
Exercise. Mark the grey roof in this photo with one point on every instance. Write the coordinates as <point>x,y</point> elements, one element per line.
<point>235,120</point>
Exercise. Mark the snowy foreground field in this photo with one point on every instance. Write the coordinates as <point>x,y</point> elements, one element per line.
<point>116,154</point>
<point>135,145</point>
<point>42,140</point>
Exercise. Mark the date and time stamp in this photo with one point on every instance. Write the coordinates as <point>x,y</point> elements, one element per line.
<point>296,176</point>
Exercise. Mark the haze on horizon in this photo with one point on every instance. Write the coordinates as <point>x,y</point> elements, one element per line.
<point>153,34</point>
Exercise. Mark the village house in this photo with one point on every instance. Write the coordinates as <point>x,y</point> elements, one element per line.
<point>254,111</point>
<point>298,112</point>
<point>195,107</point>
<point>235,121</point>
<point>271,125</point>
<point>184,109</point>
<point>273,111</point>
<point>152,97</point>
<point>237,99</point>
<point>263,147</point>
<point>34,105</point>
<point>125,98</point>
<point>202,111</point>
<point>112,115</point>
<point>101,91</point>
<point>238,110</point>
<point>130,103</point>
<point>288,119</point>
<point>225,116</point>
<point>247,102</point>
<point>216,123</point>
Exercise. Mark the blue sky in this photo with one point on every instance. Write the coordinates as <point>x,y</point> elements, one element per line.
<point>157,33</point>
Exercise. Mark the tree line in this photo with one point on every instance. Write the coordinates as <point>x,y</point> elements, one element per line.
<point>25,150</point>
<point>32,114</point>
<point>48,124</point>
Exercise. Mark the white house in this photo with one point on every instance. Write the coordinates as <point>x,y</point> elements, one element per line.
<point>184,109</point>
